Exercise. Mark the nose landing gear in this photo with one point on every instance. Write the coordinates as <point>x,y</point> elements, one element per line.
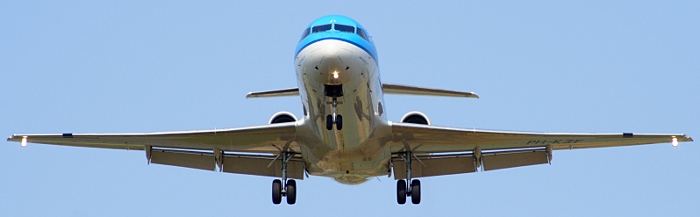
<point>336,119</point>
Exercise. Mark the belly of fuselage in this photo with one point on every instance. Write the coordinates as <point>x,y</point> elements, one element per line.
<point>353,153</point>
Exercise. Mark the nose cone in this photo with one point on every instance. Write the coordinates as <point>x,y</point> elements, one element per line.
<point>330,62</point>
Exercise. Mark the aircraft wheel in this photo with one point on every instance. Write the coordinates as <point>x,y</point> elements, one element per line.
<point>291,192</point>
<point>415,191</point>
<point>339,122</point>
<point>276,191</point>
<point>401,191</point>
<point>329,122</point>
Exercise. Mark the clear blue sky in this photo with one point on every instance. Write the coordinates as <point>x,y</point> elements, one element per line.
<point>146,66</point>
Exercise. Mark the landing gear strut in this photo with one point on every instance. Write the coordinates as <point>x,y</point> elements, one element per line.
<point>334,91</point>
<point>407,187</point>
<point>334,118</point>
<point>289,189</point>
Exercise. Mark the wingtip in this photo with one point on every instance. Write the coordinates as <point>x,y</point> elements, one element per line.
<point>683,138</point>
<point>14,138</point>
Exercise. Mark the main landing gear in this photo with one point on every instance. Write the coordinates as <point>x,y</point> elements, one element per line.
<point>289,189</point>
<point>407,187</point>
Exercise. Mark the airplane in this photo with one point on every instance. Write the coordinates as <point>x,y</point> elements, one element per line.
<point>344,133</point>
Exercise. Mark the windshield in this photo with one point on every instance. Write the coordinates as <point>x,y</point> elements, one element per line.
<point>362,34</point>
<point>344,28</point>
<point>321,28</point>
<point>337,27</point>
<point>306,33</point>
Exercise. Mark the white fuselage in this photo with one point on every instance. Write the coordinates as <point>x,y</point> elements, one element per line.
<point>360,149</point>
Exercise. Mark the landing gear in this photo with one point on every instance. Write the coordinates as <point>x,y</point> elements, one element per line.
<point>289,189</point>
<point>291,192</point>
<point>339,122</point>
<point>415,191</point>
<point>334,118</point>
<point>276,191</point>
<point>403,189</point>
<point>329,122</point>
<point>334,91</point>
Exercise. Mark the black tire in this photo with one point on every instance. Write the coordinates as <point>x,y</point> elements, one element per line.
<point>329,122</point>
<point>339,122</point>
<point>401,191</point>
<point>276,191</point>
<point>415,191</point>
<point>291,192</point>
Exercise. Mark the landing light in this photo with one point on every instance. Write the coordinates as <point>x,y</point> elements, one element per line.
<point>335,74</point>
<point>24,141</point>
<point>674,142</point>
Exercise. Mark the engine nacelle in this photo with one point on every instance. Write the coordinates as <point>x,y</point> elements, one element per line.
<point>415,118</point>
<point>282,117</point>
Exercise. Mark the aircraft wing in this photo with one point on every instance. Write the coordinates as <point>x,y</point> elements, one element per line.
<point>444,150</point>
<point>251,149</point>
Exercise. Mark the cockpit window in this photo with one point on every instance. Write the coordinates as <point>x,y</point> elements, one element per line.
<point>306,33</point>
<point>321,28</point>
<point>362,34</point>
<point>337,27</point>
<point>345,28</point>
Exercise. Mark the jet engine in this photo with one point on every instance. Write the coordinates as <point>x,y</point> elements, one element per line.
<point>282,117</point>
<point>415,118</point>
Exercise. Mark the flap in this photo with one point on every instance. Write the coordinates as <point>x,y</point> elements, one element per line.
<point>510,159</point>
<point>436,166</point>
<point>261,166</point>
<point>195,160</point>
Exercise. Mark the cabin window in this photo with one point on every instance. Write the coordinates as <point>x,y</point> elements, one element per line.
<point>344,28</point>
<point>321,28</point>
